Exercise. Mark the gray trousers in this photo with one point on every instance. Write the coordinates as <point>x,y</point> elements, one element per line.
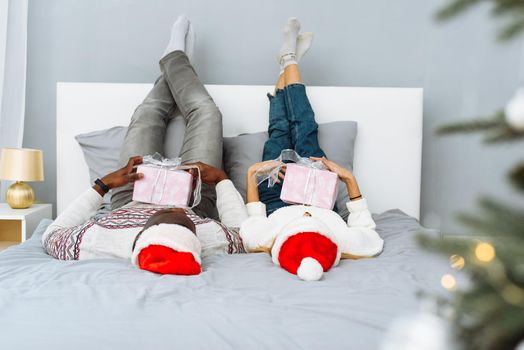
<point>177,87</point>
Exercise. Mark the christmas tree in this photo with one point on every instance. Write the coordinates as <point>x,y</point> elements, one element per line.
<point>489,312</point>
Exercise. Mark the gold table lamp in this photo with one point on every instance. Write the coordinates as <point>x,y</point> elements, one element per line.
<point>21,164</point>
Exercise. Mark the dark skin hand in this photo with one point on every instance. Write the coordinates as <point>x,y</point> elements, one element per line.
<point>122,176</point>
<point>209,174</point>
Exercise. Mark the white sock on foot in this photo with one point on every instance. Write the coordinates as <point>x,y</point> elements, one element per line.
<point>190,41</point>
<point>289,46</point>
<point>178,35</point>
<point>304,41</point>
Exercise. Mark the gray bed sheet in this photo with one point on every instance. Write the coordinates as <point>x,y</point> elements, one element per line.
<point>238,302</point>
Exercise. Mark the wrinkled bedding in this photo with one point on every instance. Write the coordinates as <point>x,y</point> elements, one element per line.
<point>238,302</point>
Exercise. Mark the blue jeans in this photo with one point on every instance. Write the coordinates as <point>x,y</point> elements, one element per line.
<point>292,125</point>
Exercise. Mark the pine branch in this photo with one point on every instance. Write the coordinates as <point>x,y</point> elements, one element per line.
<point>446,246</point>
<point>496,128</point>
<point>486,317</point>
<point>517,176</point>
<point>495,220</point>
<point>512,9</point>
<point>503,134</point>
<point>473,125</point>
<point>511,30</point>
<point>498,210</point>
<point>455,8</point>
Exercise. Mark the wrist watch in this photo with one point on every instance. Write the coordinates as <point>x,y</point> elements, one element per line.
<point>102,185</point>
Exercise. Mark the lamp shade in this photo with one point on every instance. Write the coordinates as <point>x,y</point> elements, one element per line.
<point>21,164</point>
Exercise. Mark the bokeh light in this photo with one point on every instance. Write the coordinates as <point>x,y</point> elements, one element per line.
<point>513,294</point>
<point>485,252</point>
<point>448,281</point>
<point>457,262</point>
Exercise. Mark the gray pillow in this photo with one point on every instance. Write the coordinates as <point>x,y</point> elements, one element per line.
<point>101,149</point>
<point>337,139</point>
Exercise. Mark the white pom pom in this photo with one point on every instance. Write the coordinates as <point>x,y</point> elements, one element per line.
<point>515,111</point>
<point>310,270</point>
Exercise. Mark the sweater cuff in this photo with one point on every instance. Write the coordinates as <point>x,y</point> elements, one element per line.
<point>224,187</point>
<point>256,209</point>
<point>359,205</point>
<point>93,197</point>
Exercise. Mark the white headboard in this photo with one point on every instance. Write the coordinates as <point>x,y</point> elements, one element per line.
<point>387,153</point>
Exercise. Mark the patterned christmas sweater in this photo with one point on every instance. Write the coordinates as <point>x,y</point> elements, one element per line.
<point>78,234</point>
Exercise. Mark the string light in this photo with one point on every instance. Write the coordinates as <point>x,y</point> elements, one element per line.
<point>457,262</point>
<point>448,281</point>
<point>485,252</point>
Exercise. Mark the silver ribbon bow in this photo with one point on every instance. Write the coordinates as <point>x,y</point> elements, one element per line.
<point>157,160</point>
<point>270,171</point>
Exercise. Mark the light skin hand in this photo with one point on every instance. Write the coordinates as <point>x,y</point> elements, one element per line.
<point>122,176</point>
<point>343,174</point>
<point>252,194</point>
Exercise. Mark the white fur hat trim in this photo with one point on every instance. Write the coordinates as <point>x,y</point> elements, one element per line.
<point>303,224</point>
<point>310,270</point>
<point>173,236</point>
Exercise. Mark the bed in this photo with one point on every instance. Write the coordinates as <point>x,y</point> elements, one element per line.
<point>239,301</point>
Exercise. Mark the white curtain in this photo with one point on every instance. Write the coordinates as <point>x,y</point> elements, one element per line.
<point>13,62</point>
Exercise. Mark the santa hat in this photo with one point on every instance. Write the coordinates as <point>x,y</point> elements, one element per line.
<point>306,247</point>
<point>167,249</point>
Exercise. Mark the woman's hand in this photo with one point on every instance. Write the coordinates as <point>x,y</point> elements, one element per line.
<point>122,176</point>
<point>209,174</point>
<point>262,168</point>
<point>267,164</point>
<point>344,175</point>
<point>265,167</point>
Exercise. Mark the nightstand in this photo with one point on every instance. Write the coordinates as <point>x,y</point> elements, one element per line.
<point>17,225</point>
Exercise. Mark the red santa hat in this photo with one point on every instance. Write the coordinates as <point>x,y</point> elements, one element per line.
<point>306,247</point>
<point>168,249</point>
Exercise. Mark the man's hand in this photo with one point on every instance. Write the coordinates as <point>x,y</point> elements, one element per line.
<point>209,174</point>
<point>122,176</point>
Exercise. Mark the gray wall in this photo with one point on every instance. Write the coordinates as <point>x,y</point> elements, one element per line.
<point>358,43</point>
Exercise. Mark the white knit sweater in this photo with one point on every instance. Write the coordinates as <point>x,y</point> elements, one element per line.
<point>357,238</point>
<point>107,242</point>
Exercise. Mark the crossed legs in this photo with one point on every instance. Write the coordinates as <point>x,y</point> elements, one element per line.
<point>292,122</point>
<point>180,87</point>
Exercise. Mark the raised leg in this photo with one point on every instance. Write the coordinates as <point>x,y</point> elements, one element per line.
<point>279,130</point>
<point>304,128</point>
<point>279,139</point>
<point>203,137</point>
<point>146,132</point>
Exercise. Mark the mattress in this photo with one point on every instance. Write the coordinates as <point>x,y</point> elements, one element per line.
<point>237,302</point>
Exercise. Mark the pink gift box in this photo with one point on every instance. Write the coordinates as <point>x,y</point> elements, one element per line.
<point>304,185</point>
<point>163,186</point>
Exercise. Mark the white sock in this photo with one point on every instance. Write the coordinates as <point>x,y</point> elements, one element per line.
<point>289,46</point>
<point>177,42</point>
<point>304,41</point>
<point>190,41</point>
